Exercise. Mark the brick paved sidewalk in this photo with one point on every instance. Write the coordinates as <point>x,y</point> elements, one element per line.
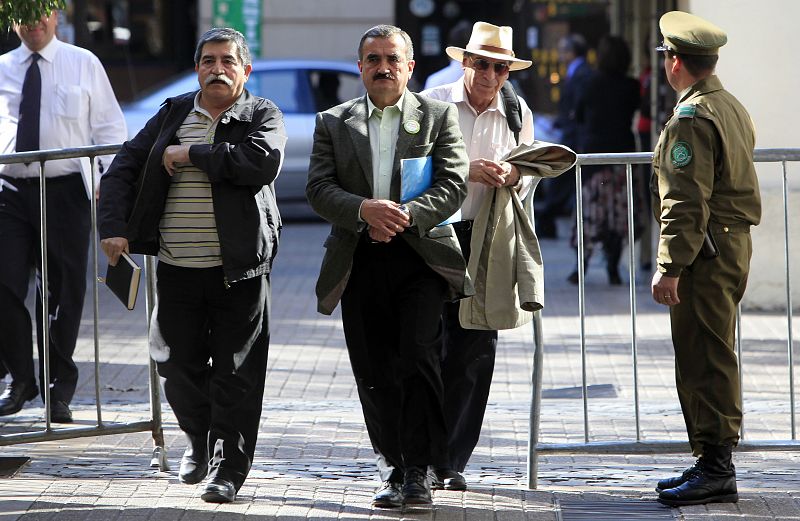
<point>314,460</point>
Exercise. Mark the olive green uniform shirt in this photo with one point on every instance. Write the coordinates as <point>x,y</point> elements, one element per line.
<point>703,172</point>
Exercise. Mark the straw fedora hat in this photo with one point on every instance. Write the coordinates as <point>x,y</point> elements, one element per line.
<point>490,41</point>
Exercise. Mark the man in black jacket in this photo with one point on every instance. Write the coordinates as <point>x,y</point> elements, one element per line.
<point>195,188</point>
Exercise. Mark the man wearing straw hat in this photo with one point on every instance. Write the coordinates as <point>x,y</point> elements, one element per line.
<point>484,100</point>
<point>706,198</point>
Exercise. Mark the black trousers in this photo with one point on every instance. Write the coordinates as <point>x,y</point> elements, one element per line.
<point>467,367</point>
<point>15,335</point>
<point>391,311</point>
<point>68,228</point>
<point>217,340</point>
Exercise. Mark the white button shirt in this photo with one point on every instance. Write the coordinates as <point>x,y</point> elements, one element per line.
<point>486,136</point>
<point>78,106</point>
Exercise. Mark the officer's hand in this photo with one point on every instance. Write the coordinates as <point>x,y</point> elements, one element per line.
<point>385,217</point>
<point>113,248</point>
<point>665,289</point>
<point>175,156</point>
<point>487,172</point>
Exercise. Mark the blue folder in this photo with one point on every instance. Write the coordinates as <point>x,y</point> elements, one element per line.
<point>416,176</point>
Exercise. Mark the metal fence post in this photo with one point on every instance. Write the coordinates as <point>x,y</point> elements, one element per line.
<point>154,424</point>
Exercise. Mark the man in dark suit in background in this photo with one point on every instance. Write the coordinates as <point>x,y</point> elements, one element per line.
<point>559,192</point>
<point>390,264</point>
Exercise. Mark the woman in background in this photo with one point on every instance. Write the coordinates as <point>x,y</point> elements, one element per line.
<point>605,111</point>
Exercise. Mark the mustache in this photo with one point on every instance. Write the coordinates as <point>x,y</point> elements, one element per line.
<point>218,77</point>
<point>383,76</point>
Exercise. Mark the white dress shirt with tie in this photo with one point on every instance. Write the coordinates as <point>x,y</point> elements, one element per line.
<point>78,106</point>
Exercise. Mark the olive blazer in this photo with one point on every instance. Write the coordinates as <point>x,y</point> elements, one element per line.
<point>340,179</point>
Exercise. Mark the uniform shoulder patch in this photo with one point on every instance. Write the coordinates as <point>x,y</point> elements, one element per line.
<point>686,111</point>
<point>681,154</point>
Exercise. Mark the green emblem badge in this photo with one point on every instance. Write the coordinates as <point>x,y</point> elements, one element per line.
<point>681,154</point>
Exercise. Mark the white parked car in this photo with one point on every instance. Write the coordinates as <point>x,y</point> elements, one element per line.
<point>300,88</point>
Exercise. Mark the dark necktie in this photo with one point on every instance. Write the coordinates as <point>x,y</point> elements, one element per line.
<point>29,107</point>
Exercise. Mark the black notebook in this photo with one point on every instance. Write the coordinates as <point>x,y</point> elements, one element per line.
<point>123,280</point>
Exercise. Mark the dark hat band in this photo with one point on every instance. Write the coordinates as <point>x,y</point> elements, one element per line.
<point>490,48</point>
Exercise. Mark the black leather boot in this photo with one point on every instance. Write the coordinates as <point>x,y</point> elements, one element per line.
<point>714,482</point>
<point>675,481</point>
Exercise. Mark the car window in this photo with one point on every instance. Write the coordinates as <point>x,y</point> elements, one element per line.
<point>294,91</point>
<point>187,83</point>
<point>282,87</point>
<point>332,87</point>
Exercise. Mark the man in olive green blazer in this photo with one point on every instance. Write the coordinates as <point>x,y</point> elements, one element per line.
<point>339,181</point>
<point>389,263</point>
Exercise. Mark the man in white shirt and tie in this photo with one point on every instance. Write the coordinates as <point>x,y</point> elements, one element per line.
<point>52,95</point>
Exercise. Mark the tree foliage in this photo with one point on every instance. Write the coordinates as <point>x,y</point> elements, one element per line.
<point>26,11</point>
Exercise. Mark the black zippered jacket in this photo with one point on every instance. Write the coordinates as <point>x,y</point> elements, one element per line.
<point>241,165</point>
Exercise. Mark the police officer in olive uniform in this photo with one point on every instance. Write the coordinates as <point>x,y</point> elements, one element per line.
<point>706,198</point>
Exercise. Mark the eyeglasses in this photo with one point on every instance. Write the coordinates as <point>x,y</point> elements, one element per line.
<point>479,64</point>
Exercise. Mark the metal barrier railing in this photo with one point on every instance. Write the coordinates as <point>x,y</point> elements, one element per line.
<point>639,446</point>
<point>100,427</point>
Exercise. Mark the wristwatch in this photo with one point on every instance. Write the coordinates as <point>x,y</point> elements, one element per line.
<point>403,208</point>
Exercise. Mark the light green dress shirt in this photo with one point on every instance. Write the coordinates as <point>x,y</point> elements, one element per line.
<point>384,126</point>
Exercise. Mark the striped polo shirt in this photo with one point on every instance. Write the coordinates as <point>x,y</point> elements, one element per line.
<point>188,228</point>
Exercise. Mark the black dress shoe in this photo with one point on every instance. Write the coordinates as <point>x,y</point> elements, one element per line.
<point>448,479</point>
<point>416,488</point>
<point>15,395</point>
<point>219,490</point>
<point>194,463</point>
<point>60,413</point>
<point>388,495</point>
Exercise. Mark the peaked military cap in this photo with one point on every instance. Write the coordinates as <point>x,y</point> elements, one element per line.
<point>686,33</point>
